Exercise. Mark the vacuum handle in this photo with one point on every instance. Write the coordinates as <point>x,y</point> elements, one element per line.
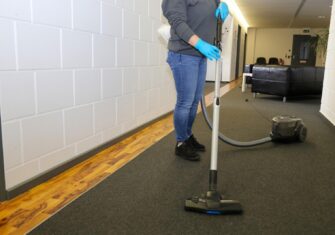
<point>218,37</point>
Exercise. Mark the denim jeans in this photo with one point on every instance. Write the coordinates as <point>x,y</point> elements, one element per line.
<point>189,73</point>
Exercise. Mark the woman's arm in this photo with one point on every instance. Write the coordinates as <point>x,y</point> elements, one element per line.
<point>176,13</point>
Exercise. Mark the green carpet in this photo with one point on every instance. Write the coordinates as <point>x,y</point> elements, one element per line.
<point>284,189</point>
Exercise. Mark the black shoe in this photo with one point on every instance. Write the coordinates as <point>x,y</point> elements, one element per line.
<point>195,144</point>
<point>186,151</point>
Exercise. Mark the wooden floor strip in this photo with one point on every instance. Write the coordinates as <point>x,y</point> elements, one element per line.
<point>28,210</point>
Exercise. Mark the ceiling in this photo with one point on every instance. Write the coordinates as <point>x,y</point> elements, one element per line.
<point>286,13</point>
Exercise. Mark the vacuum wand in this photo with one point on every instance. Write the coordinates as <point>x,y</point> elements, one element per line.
<point>212,201</point>
<point>216,109</point>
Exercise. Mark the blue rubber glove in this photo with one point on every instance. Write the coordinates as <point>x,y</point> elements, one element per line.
<point>208,50</point>
<point>222,11</point>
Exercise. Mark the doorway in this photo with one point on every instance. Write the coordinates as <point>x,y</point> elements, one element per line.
<point>245,49</point>
<point>303,50</point>
<point>237,68</point>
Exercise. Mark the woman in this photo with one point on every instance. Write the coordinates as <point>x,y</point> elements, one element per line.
<point>193,28</point>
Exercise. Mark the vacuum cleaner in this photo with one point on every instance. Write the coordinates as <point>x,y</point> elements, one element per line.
<point>284,129</point>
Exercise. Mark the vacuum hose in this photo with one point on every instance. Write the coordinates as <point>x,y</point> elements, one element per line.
<point>227,139</point>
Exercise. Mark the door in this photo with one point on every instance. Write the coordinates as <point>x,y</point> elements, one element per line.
<point>303,51</point>
<point>245,49</point>
<point>237,68</point>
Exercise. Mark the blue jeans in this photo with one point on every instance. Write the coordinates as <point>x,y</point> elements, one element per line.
<point>189,73</point>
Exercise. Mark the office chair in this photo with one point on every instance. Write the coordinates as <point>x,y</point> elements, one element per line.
<point>261,60</point>
<point>274,60</point>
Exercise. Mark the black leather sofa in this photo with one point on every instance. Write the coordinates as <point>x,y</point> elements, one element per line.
<point>287,81</point>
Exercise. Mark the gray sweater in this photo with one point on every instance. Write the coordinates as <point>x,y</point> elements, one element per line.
<point>189,17</point>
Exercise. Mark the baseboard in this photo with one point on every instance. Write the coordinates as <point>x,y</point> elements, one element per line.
<point>13,192</point>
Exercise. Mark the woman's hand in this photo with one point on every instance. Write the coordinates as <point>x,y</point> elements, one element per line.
<point>208,50</point>
<point>222,11</point>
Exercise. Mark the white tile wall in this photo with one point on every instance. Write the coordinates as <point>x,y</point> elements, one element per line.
<point>154,98</point>
<point>153,54</point>
<point>75,74</point>
<point>164,97</point>
<point>142,119</point>
<point>104,51</point>
<point>128,126</point>
<point>21,174</point>
<point>78,124</point>
<point>125,109</point>
<point>54,159</point>
<point>157,80</point>
<point>146,28</point>
<point>130,80</point>
<point>17,9</point>
<point>111,23</point>
<point>86,15</point>
<point>110,134</point>
<point>155,9</point>
<point>141,7</point>
<point>105,115</point>
<point>17,95</point>
<point>7,47</point>
<point>12,144</point>
<point>53,12</point>
<point>41,135</point>
<point>125,52</point>
<point>127,4</point>
<point>145,78</point>
<point>89,144</point>
<point>111,83</point>
<point>38,46</point>
<point>87,86</point>
<point>54,90</point>
<point>76,49</point>
<point>131,25</point>
<point>141,103</point>
<point>141,53</point>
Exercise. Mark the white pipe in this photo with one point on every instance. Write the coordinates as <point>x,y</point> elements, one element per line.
<point>216,116</point>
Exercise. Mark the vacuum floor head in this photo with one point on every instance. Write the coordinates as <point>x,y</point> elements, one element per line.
<point>213,204</point>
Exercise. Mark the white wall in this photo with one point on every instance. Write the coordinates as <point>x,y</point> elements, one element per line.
<point>328,94</point>
<point>273,42</point>
<point>75,74</point>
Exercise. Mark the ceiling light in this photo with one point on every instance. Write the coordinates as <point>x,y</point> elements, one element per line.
<point>235,10</point>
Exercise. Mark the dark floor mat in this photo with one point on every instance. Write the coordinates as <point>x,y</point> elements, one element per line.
<point>284,189</point>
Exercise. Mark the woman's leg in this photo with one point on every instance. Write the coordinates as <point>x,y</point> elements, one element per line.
<point>185,72</point>
<point>198,93</point>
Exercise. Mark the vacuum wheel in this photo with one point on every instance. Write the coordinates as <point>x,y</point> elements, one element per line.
<point>302,133</point>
